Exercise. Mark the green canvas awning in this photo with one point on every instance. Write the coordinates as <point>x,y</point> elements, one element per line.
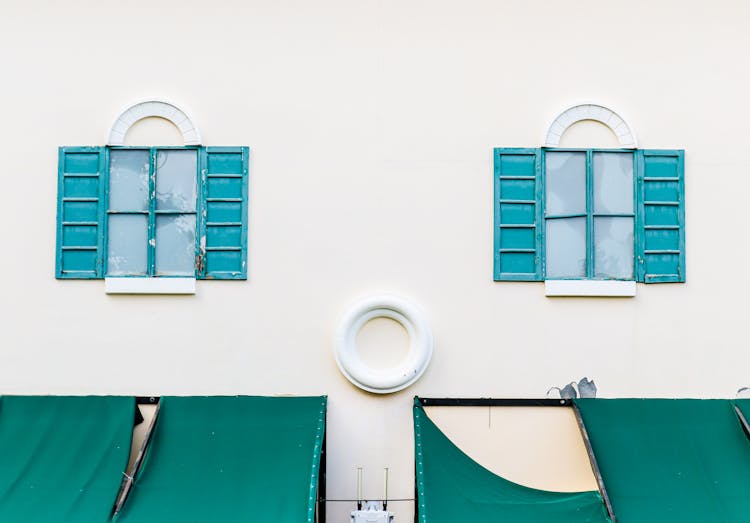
<point>452,487</point>
<point>230,459</point>
<point>62,458</point>
<point>666,460</point>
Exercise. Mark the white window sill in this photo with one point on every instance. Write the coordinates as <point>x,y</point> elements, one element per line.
<point>589,288</point>
<point>149,285</point>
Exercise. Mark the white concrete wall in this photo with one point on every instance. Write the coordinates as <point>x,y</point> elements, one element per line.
<point>371,126</point>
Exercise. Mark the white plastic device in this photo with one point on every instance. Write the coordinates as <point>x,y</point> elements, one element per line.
<point>372,513</point>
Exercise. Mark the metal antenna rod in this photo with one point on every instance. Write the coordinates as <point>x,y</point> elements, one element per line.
<point>359,488</point>
<point>385,496</point>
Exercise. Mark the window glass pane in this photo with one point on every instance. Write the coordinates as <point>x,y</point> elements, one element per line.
<point>127,244</point>
<point>175,244</point>
<point>566,248</point>
<point>613,248</point>
<point>176,172</point>
<point>613,183</point>
<point>565,183</point>
<point>128,180</point>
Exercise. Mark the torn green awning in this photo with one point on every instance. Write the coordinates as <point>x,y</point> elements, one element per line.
<point>62,458</point>
<point>665,460</point>
<point>452,487</point>
<point>230,459</point>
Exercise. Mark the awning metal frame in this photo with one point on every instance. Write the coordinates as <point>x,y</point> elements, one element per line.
<point>128,480</point>
<point>743,420</point>
<point>494,402</point>
<point>594,464</point>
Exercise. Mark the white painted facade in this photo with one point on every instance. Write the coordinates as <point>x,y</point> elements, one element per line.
<point>371,127</point>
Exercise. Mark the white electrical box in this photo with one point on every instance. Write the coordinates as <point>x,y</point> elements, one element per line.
<point>372,513</point>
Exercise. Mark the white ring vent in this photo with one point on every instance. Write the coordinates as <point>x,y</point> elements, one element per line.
<point>403,374</point>
<point>595,112</point>
<point>153,108</point>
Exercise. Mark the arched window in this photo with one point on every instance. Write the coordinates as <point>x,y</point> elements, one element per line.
<point>152,218</point>
<point>589,221</point>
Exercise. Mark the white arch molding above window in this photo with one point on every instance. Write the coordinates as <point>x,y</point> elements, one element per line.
<point>158,109</point>
<point>595,112</point>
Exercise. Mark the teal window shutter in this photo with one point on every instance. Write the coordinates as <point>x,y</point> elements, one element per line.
<point>222,240</point>
<point>518,215</point>
<point>80,212</point>
<point>660,242</point>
